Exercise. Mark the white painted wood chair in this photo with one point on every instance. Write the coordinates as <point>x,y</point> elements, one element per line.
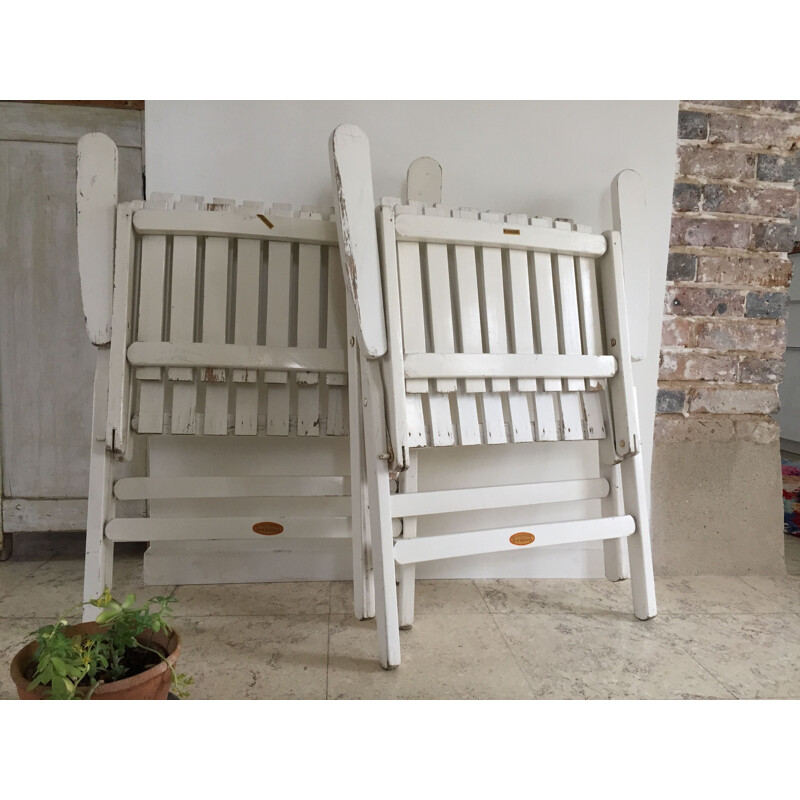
<point>212,320</point>
<point>483,328</point>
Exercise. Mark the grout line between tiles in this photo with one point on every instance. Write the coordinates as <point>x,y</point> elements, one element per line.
<point>514,656</point>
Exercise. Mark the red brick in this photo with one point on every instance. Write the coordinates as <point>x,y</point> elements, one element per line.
<point>767,271</point>
<point>691,366</point>
<point>690,301</point>
<point>733,400</point>
<point>753,369</point>
<point>696,232</point>
<point>676,332</point>
<point>723,335</point>
<point>764,131</point>
<point>761,201</point>
<point>711,162</point>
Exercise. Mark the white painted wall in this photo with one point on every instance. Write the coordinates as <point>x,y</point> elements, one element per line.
<point>551,158</point>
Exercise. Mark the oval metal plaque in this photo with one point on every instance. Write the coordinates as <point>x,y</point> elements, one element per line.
<point>268,528</point>
<point>521,538</point>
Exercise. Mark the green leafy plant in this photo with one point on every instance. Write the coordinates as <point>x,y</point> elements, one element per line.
<point>73,666</point>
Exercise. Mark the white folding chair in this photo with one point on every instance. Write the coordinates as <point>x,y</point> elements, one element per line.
<point>482,328</point>
<point>212,320</point>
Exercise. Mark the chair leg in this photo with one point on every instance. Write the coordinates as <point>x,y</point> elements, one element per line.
<point>615,551</point>
<point>407,572</point>
<point>99,560</point>
<point>363,580</point>
<point>380,521</point>
<point>641,559</point>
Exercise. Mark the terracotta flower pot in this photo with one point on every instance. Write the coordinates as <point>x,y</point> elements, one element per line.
<point>152,684</point>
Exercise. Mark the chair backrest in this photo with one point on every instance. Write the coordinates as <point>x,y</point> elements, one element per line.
<point>226,320</point>
<point>495,327</point>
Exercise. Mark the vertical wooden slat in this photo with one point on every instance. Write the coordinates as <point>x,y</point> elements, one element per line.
<point>308,329</point>
<point>181,328</point>
<point>468,319</point>
<point>495,334</point>
<point>589,304</point>
<point>150,327</point>
<point>279,266</point>
<point>337,411</point>
<point>215,309</point>
<point>412,312</point>
<point>546,329</point>
<point>437,288</point>
<point>245,327</point>
<point>567,298</point>
<point>518,304</point>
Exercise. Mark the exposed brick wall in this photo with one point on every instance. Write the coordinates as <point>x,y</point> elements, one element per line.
<point>735,209</point>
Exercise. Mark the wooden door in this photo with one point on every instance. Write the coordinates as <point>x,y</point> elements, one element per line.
<point>46,360</point>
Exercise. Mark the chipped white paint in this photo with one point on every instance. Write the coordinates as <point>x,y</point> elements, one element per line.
<point>193,347</point>
<point>553,262</point>
<point>97,206</point>
<point>349,154</point>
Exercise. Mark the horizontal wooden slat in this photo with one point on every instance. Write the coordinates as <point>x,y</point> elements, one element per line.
<point>231,224</point>
<point>449,230</point>
<point>442,502</point>
<point>430,548</point>
<point>507,365</point>
<point>236,356</point>
<point>167,487</point>
<point>193,528</point>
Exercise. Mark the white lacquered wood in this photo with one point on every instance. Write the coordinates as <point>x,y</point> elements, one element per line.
<point>352,179</point>
<point>245,332</point>
<point>567,301</point>
<point>589,307</point>
<point>510,365</point>
<point>278,319</point>
<point>97,208</point>
<point>119,377</point>
<point>99,560</point>
<point>412,305</point>
<point>615,551</point>
<point>204,528</point>
<point>181,329</point>
<point>223,221</point>
<point>409,504</point>
<point>491,275</point>
<point>386,612</point>
<point>170,487</point>
<point>545,316</point>
<point>236,356</point>
<point>424,181</point>
<point>308,334</point>
<point>616,330</point>
<point>593,414</point>
<point>545,416</point>
<point>571,415</point>
<point>215,308</point>
<point>150,328</point>
<point>438,291</point>
<point>497,234</point>
<point>629,217</point>
<point>406,575</point>
<point>455,545</point>
<point>338,422</point>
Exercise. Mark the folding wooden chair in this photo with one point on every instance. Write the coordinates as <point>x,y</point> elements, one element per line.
<point>215,320</point>
<point>483,328</point>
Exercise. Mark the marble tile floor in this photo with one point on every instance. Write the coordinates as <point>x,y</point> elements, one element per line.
<point>714,637</point>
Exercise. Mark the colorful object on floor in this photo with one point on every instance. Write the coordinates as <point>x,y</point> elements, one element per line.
<point>791,496</point>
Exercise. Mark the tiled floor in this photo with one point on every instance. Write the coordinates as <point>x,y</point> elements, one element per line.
<point>714,637</point>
